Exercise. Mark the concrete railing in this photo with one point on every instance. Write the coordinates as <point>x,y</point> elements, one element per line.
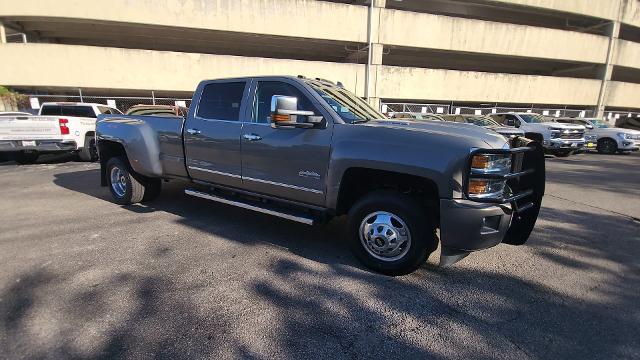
<point>419,30</point>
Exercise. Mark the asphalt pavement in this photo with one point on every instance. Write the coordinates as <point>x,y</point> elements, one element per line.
<point>81,277</point>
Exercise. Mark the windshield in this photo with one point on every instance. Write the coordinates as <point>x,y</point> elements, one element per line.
<point>533,118</point>
<point>349,107</point>
<point>599,123</point>
<point>481,121</point>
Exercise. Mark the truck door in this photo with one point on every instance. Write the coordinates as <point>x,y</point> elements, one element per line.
<point>289,163</point>
<point>212,133</point>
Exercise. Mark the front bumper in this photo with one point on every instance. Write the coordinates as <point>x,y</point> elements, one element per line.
<point>557,144</point>
<point>471,224</point>
<point>467,225</point>
<point>628,145</point>
<point>37,145</point>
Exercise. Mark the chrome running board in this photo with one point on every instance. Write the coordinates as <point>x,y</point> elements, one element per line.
<point>255,206</point>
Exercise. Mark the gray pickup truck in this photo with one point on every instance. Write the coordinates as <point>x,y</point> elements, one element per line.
<point>308,150</point>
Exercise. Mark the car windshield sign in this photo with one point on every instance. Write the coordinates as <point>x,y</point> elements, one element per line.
<point>347,105</point>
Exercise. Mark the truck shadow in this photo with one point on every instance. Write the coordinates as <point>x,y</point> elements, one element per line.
<point>336,310</point>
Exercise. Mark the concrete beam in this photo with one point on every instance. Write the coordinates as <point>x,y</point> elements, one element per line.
<point>3,34</point>
<point>607,70</point>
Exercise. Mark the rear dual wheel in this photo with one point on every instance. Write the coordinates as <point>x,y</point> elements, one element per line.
<point>127,187</point>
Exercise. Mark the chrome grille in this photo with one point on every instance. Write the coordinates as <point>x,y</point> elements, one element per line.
<point>571,134</point>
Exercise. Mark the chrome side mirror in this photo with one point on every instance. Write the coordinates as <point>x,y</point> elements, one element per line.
<point>285,113</point>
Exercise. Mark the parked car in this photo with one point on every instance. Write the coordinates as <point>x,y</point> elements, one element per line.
<point>59,127</point>
<point>416,116</point>
<point>486,122</point>
<point>606,138</point>
<point>158,110</point>
<point>307,150</point>
<point>557,139</point>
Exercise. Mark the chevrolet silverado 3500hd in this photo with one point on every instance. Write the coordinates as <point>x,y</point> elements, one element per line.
<point>307,149</point>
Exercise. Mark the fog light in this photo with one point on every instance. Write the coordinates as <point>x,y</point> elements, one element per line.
<point>491,223</point>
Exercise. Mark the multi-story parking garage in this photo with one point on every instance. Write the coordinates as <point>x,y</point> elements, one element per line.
<point>582,54</point>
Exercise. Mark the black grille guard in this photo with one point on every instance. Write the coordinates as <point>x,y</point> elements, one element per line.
<point>526,181</point>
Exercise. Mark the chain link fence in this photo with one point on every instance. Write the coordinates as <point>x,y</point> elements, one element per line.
<point>122,103</point>
<point>428,108</point>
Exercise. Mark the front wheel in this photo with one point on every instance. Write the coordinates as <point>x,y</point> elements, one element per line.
<point>125,187</point>
<point>607,146</point>
<point>391,233</point>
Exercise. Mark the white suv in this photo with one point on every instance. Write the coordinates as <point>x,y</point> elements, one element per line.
<point>608,139</point>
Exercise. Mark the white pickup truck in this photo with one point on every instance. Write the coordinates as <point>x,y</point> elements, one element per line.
<point>556,138</point>
<point>59,127</point>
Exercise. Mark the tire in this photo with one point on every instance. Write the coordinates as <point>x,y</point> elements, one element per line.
<point>127,188</point>
<point>607,146</point>
<point>24,157</point>
<point>406,213</point>
<point>89,152</point>
<point>562,153</point>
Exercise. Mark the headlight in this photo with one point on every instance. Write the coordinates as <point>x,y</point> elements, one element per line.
<point>491,163</point>
<point>555,133</point>
<point>625,136</point>
<point>498,164</point>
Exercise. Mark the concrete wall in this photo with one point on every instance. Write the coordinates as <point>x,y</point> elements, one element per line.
<point>100,67</point>
<point>449,33</point>
<point>624,95</point>
<point>627,54</point>
<point>451,85</point>
<point>300,18</point>
<point>631,12</point>
<point>605,9</point>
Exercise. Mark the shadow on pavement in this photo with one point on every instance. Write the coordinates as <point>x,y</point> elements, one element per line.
<point>433,313</point>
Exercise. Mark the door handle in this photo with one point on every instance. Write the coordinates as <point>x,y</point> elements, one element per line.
<point>193,131</point>
<point>252,137</point>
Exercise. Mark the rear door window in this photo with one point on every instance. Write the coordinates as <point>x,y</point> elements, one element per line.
<point>50,110</point>
<point>221,101</point>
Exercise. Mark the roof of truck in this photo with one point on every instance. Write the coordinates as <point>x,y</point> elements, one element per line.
<point>73,104</point>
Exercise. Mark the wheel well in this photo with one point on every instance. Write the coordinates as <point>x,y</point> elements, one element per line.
<point>357,182</point>
<point>606,138</point>
<point>107,150</point>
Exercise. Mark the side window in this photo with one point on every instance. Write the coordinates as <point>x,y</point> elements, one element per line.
<point>104,110</point>
<point>498,118</point>
<point>50,110</point>
<point>221,101</point>
<point>266,90</point>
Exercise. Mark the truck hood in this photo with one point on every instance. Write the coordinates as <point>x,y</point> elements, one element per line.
<point>445,128</point>
<point>562,126</point>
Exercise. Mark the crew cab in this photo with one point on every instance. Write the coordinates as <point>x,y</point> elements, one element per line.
<point>58,127</point>
<point>606,138</point>
<point>486,122</point>
<point>307,150</point>
<point>558,139</point>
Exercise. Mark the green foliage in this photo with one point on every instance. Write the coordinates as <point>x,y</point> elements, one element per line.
<point>3,90</point>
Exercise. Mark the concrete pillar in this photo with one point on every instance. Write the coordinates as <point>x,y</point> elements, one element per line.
<point>607,69</point>
<point>3,34</point>
<point>376,48</point>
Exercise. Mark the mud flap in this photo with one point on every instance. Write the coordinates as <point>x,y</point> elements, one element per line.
<point>523,222</point>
